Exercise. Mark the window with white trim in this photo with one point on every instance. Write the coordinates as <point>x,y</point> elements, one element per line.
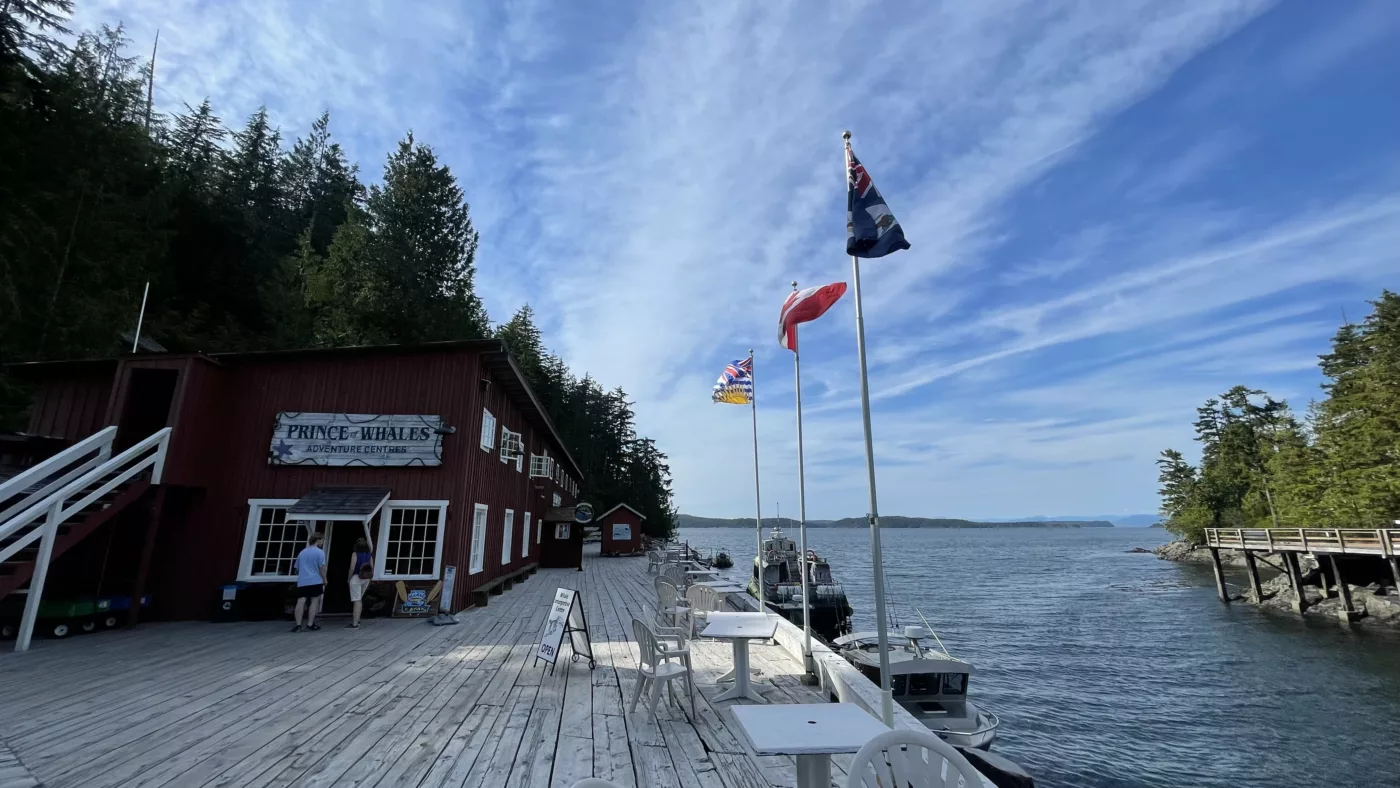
<point>512,447</point>
<point>541,465</point>
<point>271,542</point>
<point>410,540</point>
<point>539,531</point>
<point>557,500</point>
<point>488,430</point>
<point>507,530</point>
<point>478,557</point>
<point>525,537</point>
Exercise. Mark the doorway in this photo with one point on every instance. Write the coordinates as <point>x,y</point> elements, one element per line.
<point>341,536</point>
<point>149,394</point>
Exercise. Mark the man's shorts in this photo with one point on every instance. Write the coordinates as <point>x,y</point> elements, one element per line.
<point>357,588</point>
<point>310,592</point>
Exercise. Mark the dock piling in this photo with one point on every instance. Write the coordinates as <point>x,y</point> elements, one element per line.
<point>1295,579</point>
<point>1348,612</point>
<point>1254,584</point>
<point>1219,574</point>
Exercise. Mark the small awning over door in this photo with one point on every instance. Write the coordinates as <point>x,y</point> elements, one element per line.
<point>355,504</point>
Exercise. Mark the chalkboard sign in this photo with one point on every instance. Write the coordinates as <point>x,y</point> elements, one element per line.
<point>565,616</point>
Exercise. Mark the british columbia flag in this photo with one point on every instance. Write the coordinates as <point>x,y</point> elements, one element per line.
<point>735,385</point>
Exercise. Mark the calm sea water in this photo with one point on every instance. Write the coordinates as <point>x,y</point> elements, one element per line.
<point>1118,670</point>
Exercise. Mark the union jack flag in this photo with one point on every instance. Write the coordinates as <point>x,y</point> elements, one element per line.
<point>735,385</point>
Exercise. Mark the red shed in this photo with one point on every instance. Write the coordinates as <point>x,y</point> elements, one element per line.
<point>622,530</point>
<point>439,454</point>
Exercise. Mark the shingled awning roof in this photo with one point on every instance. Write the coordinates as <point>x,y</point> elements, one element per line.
<point>358,504</point>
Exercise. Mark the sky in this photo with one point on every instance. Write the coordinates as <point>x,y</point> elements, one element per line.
<point>1116,210</point>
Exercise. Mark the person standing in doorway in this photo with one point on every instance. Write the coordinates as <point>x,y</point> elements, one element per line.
<point>361,572</point>
<point>311,582</point>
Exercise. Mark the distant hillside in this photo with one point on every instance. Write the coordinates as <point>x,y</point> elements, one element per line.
<point>691,521</point>
<point>1120,520</point>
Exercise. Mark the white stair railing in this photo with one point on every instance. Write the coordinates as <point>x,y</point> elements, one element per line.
<point>76,495</point>
<point>56,471</point>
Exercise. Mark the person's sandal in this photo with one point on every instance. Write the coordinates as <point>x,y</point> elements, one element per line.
<point>352,626</point>
<point>296,628</point>
<point>314,627</point>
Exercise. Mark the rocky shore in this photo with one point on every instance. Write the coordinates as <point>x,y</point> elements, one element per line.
<point>1380,602</point>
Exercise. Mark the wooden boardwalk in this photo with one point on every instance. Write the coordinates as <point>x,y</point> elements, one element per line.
<point>395,703</point>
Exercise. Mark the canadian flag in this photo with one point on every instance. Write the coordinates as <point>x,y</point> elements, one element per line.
<point>803,306</point>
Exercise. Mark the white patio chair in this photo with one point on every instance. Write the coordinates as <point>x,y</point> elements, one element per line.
<point>702,601</point>
<point>676,574</point>
<point>654,562</point>
<point>910,758</point>
<point>669,600</point>
<point>654,667</point>
<point>674,638</point>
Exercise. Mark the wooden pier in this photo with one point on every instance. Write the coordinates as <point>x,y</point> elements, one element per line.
<point>394,703</point>
<point>1288,543</point>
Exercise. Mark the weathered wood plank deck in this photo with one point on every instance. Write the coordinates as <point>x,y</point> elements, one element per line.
<point>395,703</point>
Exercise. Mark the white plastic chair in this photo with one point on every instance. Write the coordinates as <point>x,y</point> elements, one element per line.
<point>654,666</point>
<point>910,759</point>
<point>702,601</point>
<point>676,574</point>
<point>670,602</point>
<point>654,562</point>
<point>673,638</point>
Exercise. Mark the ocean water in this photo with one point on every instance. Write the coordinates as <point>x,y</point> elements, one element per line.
<point>1117,670</point>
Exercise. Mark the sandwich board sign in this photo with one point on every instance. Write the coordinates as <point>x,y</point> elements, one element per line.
<point>565,617</point>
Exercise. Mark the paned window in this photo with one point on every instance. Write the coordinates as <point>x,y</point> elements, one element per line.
<point>507,529</point>
<point>410,539</point>
<point>488,430</point>
<point>271,542</point>
<point>478,557</point>
<point>525,537</point>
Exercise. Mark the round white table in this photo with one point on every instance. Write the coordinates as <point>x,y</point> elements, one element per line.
<point>740,628</point>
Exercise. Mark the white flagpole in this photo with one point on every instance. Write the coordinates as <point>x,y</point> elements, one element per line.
<point>876,558</point>
<point>758,499</point>
<point>802,515</point>
<point>141,318</point>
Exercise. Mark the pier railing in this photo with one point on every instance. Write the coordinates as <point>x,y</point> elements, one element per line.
<point>1355,541</point>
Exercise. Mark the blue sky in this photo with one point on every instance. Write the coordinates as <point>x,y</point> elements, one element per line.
<point>1117,210</point>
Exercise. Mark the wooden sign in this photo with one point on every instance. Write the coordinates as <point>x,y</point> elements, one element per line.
<point>449,585</point>
<point>376,441</point>
<point>565,617</point>
<point>621,532</point>
<point>417,602</point>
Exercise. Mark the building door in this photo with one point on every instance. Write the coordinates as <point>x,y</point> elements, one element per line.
<point>149,394</point>
<point>340,545</point>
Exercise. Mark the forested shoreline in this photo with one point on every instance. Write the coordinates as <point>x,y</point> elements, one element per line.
<point>247,243</point>
<point>1262,465</point>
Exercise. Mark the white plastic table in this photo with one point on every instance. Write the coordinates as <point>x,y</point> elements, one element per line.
<point>740,628</point>
<point>810,731</point>
<point>722,586</point>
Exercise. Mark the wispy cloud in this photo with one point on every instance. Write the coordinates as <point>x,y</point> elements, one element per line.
<point>1094,250</point>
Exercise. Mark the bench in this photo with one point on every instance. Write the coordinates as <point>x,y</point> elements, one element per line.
<point>501,584</point>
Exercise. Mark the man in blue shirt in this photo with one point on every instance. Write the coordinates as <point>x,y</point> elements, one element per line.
<point>311,582</point>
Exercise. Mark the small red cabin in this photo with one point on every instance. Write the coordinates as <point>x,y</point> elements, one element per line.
<point>622,530</point>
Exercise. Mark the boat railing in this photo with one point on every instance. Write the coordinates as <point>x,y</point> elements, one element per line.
<point>792,592</point>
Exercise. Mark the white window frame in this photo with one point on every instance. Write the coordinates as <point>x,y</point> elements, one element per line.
<point>507,531</point>
<point>250,540</point>
<point>488,430</point>
<point>381,555</point>
<point>525,537</point>
<point>481,516</point>
<point>539,530</point>
<point>558,501</point>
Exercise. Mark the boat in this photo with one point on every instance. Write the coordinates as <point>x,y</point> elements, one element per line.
<point>928,682</point>
<point>722,560</point>
<point>782,586</point>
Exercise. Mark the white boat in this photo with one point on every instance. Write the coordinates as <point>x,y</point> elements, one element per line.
<point>929,683</point>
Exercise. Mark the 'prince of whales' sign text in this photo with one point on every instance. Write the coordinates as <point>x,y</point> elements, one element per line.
<point>355,439</point>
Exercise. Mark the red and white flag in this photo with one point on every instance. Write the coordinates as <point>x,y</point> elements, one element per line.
<point>803,306</point>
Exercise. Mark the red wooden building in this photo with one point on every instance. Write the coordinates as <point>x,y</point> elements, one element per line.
<point>439,454</point>
<point>622,530</point>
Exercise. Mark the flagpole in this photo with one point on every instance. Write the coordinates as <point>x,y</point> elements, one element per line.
<point>876,558</point>
<point>802,513</point>
<point>758,499</point>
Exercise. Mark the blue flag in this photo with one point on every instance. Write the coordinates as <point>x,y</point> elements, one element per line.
<point>871,230</point>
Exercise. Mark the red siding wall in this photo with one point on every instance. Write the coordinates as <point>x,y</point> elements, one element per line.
<point>72,404</point>
<point>223,415</point>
